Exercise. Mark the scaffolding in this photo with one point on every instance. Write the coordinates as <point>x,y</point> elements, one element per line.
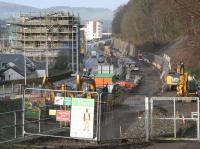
<point>39,32</point>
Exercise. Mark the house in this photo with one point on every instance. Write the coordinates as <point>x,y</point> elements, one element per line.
<point>12,67</point>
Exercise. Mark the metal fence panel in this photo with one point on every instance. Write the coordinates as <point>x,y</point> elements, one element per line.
<point>175,118</point>
<point>10,125</point>
<point>122,117</point>
<point>42,108</point>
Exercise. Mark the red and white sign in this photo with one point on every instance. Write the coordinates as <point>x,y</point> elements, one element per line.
<point>63,116</point>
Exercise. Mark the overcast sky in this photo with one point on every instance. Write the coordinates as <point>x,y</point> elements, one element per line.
<point>111,4</point>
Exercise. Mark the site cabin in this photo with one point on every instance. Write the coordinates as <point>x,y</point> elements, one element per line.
<point>104,79</point>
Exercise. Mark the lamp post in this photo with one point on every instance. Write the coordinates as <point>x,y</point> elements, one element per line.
<point>24,58</point>
<point>73,49</point>
<point>77,48</point>
<point>47,59</point>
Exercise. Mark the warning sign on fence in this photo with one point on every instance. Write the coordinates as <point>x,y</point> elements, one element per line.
<point>59,100</point>
<point>82,118</point>
<point>63,116</point>
<point>52,112</point>
<point>67,101</point>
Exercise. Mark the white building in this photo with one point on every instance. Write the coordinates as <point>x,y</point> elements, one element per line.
<point>94,30</point>
<point>12,67</point>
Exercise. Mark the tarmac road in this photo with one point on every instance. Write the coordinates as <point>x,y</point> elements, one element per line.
<point>116,120</point>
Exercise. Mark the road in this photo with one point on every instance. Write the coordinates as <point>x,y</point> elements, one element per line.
<point>116,121</point>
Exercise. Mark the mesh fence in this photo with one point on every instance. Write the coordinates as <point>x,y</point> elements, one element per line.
<point>10,125</point>
<point>122,117</point>
<point>174,118</point>
<point>61,113</point>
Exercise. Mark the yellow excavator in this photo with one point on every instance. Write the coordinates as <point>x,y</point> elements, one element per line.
<point>187,85</point>
<point>172,78</point>
<point>90,85</point>
<point>47,84</point>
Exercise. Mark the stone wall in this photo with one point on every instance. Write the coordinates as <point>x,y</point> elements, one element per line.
<point>124,47</point>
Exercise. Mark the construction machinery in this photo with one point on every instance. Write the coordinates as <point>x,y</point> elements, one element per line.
<point>90,85</point>
<point>187,85</point>
<point>172,80</point>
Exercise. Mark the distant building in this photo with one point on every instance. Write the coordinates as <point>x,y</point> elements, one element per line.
<point>12,67</point>
<point>43,34</point>
<point>94,30</point>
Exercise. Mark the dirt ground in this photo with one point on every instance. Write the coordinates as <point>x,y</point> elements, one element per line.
<point>175,145</point>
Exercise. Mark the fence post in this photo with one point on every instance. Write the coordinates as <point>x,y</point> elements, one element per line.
<point>39,120</point>
<point>99,117</point>
<point>23,112</point>
<point>4,94</point>
<point>12,88</point>
<point>174,118</point>
<point>151,115</point>
<point>15,123</point>
<point>147,118</point>
<point>198,118</point>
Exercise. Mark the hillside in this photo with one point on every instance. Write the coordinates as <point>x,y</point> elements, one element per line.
<point>86,13</point>
<point>150,25</point>
<point>185,49</point>
<point>156,22</point>
<point>9,10</point>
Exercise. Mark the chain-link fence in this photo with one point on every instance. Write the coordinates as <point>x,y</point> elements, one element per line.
<point>175,118</point>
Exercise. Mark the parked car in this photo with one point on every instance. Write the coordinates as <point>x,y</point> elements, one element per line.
<point>93,54</point>
<point>101,59</point>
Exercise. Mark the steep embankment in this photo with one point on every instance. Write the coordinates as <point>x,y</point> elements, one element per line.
<point>187,50</point>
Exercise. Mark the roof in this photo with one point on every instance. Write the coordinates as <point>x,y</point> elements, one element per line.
<point>18,61</point>
<point>15,69</point>
<point>104,75</point>
<point>40,65</point>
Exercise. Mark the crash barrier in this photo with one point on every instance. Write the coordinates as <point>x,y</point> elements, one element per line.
<point>174,118</point>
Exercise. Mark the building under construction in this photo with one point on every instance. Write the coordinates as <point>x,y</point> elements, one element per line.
<point>42,33</point>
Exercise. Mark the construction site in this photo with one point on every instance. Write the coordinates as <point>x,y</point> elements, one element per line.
<point>42,34</point>
<point>115,93</point>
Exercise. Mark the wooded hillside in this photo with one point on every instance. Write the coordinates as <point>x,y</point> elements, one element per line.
<point>152,23</point>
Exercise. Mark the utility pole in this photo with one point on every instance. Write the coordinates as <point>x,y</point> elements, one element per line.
<point>24,58</point>
<point>73,49</point>
<point>47,59</point>
<point>77,49</point>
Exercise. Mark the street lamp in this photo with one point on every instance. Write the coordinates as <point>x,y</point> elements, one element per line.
<point>77,48</point>
<point>24,58</point>
<point>72,49</point>
<point>86,44</point>
<point>47,59</point>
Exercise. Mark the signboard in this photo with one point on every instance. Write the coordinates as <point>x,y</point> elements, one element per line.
<point>67,101</point>
<point>52,112</point>
<point>59,100</point>
<point>82,118</point>
<point>63,116</point>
